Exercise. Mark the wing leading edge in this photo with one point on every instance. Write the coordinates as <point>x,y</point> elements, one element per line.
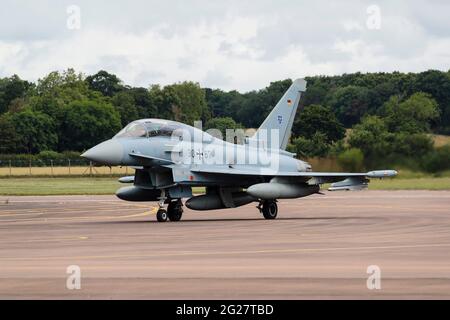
<point>310,174</point>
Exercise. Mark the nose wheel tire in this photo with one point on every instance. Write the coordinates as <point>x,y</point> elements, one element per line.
<point>161,215</point>
<point>175,210</point>
<point>269,210</point>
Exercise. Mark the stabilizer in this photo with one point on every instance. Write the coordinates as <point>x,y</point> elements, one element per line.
<point>275,131</point>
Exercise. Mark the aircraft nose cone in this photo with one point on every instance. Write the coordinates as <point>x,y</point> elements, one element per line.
<point>109,152</point>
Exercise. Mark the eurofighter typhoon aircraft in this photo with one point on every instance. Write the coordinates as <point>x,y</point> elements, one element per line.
<point>170,158</point>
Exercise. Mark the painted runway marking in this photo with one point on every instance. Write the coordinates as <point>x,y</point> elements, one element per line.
<point>215,253</point>
<point>74,238</point>
<point>102,207</point>
<point>98,218</point>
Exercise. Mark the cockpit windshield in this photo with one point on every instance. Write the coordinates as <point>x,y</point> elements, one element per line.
<point>134,129</point>
<point>144,129</point>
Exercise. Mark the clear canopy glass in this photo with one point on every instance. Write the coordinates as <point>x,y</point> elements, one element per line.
<point>140,129</point>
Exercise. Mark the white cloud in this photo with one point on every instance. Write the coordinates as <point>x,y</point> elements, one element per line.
<point>351,25</point>
<point>237,45</point>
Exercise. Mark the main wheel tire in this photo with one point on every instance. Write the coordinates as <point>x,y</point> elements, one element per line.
<point>270,210</point>
<point>161,215</point>
<point>175,210</point>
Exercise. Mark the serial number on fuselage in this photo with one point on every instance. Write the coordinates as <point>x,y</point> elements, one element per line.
<point>202,154</point>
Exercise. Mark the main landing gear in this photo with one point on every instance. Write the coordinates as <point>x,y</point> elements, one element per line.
<point>173,213</point>
<point>175,210</point>
<point>268,208</point>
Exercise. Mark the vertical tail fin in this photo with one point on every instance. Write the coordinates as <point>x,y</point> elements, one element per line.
<point>281,118</point>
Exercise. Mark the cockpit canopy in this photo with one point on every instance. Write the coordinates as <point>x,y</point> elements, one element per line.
<point>147,129</point>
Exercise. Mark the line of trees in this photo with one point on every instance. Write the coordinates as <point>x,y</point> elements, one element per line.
<point>363,120</point>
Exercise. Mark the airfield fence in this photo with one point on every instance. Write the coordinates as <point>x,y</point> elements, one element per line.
<point>81,167</point>
<point>58,167</point>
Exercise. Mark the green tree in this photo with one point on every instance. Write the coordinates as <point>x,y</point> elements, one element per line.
<point>9,140</point>
<point>12,88</point>
<point>87,123</point>
<point>316,118</point>
<point>253,107</point>
<point>412,145</point>
<point>349,103</point>
<point>437,160</point>
<point>414,115</point>
<point>316,94</point>
<point>106,83</point>
<point>163,99</point>
<point>372,137</point>
<point>49,155</point>
<point>223,104</point>
<point>191,103</point>
<point>143,101</point>
<point>56,90</point>
<point>17,105</point>
<point>35,130</point>
<point>59,80</point>
<point>184,102</point>
<point>222,124</point>
<point>409,105</point>
<point>125,105</point>
<point>317,146</point>
<point>351,160</point>
<point>437,84</point>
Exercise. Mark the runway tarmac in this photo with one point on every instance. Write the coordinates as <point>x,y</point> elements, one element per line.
<point>318,247</point>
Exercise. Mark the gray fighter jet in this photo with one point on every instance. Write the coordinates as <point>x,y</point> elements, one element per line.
<point>170,158</point>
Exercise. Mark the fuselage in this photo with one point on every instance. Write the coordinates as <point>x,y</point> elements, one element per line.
<point>157,144</point>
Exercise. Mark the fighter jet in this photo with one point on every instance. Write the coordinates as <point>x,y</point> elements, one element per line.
<point>170,158</point>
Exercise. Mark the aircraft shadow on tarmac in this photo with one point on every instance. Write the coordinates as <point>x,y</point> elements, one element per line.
<point>238,219</point>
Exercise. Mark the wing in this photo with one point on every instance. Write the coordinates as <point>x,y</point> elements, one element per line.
<point>339,180</point>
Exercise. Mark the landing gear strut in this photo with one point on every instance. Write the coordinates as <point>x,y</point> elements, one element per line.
<point>161,215</point>
<point>269,209</point>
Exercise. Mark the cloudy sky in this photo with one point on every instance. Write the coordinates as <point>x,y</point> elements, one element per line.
<point>229,44</point>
